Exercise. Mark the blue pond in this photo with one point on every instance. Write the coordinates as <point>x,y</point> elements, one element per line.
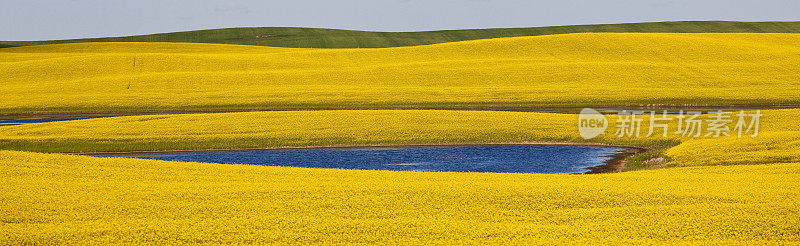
<point>40,120</point>
<point>487,158</point>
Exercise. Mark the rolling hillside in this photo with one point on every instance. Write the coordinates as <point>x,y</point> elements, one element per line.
<point>622,69</point>
<point>722,190</point>
<point>332,38</point>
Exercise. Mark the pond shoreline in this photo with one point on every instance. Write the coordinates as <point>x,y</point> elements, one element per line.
<point>617,162</point>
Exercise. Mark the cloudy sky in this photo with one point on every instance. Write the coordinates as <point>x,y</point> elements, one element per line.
<point>59,19</point>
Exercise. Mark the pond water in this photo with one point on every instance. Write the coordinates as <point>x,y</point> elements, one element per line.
<point>486,158</point>
<point>39,120</point>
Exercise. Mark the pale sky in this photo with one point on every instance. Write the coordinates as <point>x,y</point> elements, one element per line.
<point>61,19</point>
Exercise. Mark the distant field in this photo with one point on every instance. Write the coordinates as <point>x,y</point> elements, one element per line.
<point>611,69</point>
<point>331,38</point>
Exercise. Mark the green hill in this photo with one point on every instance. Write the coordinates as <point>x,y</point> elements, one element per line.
<point>333,38</point>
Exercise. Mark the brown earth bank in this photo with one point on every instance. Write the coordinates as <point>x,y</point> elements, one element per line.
<point>618,161</point>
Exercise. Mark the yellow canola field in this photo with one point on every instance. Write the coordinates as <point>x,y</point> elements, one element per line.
<point>62,199</point>
<point>288,128</point>
<point>571,69</point>
<point>778,140</point>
